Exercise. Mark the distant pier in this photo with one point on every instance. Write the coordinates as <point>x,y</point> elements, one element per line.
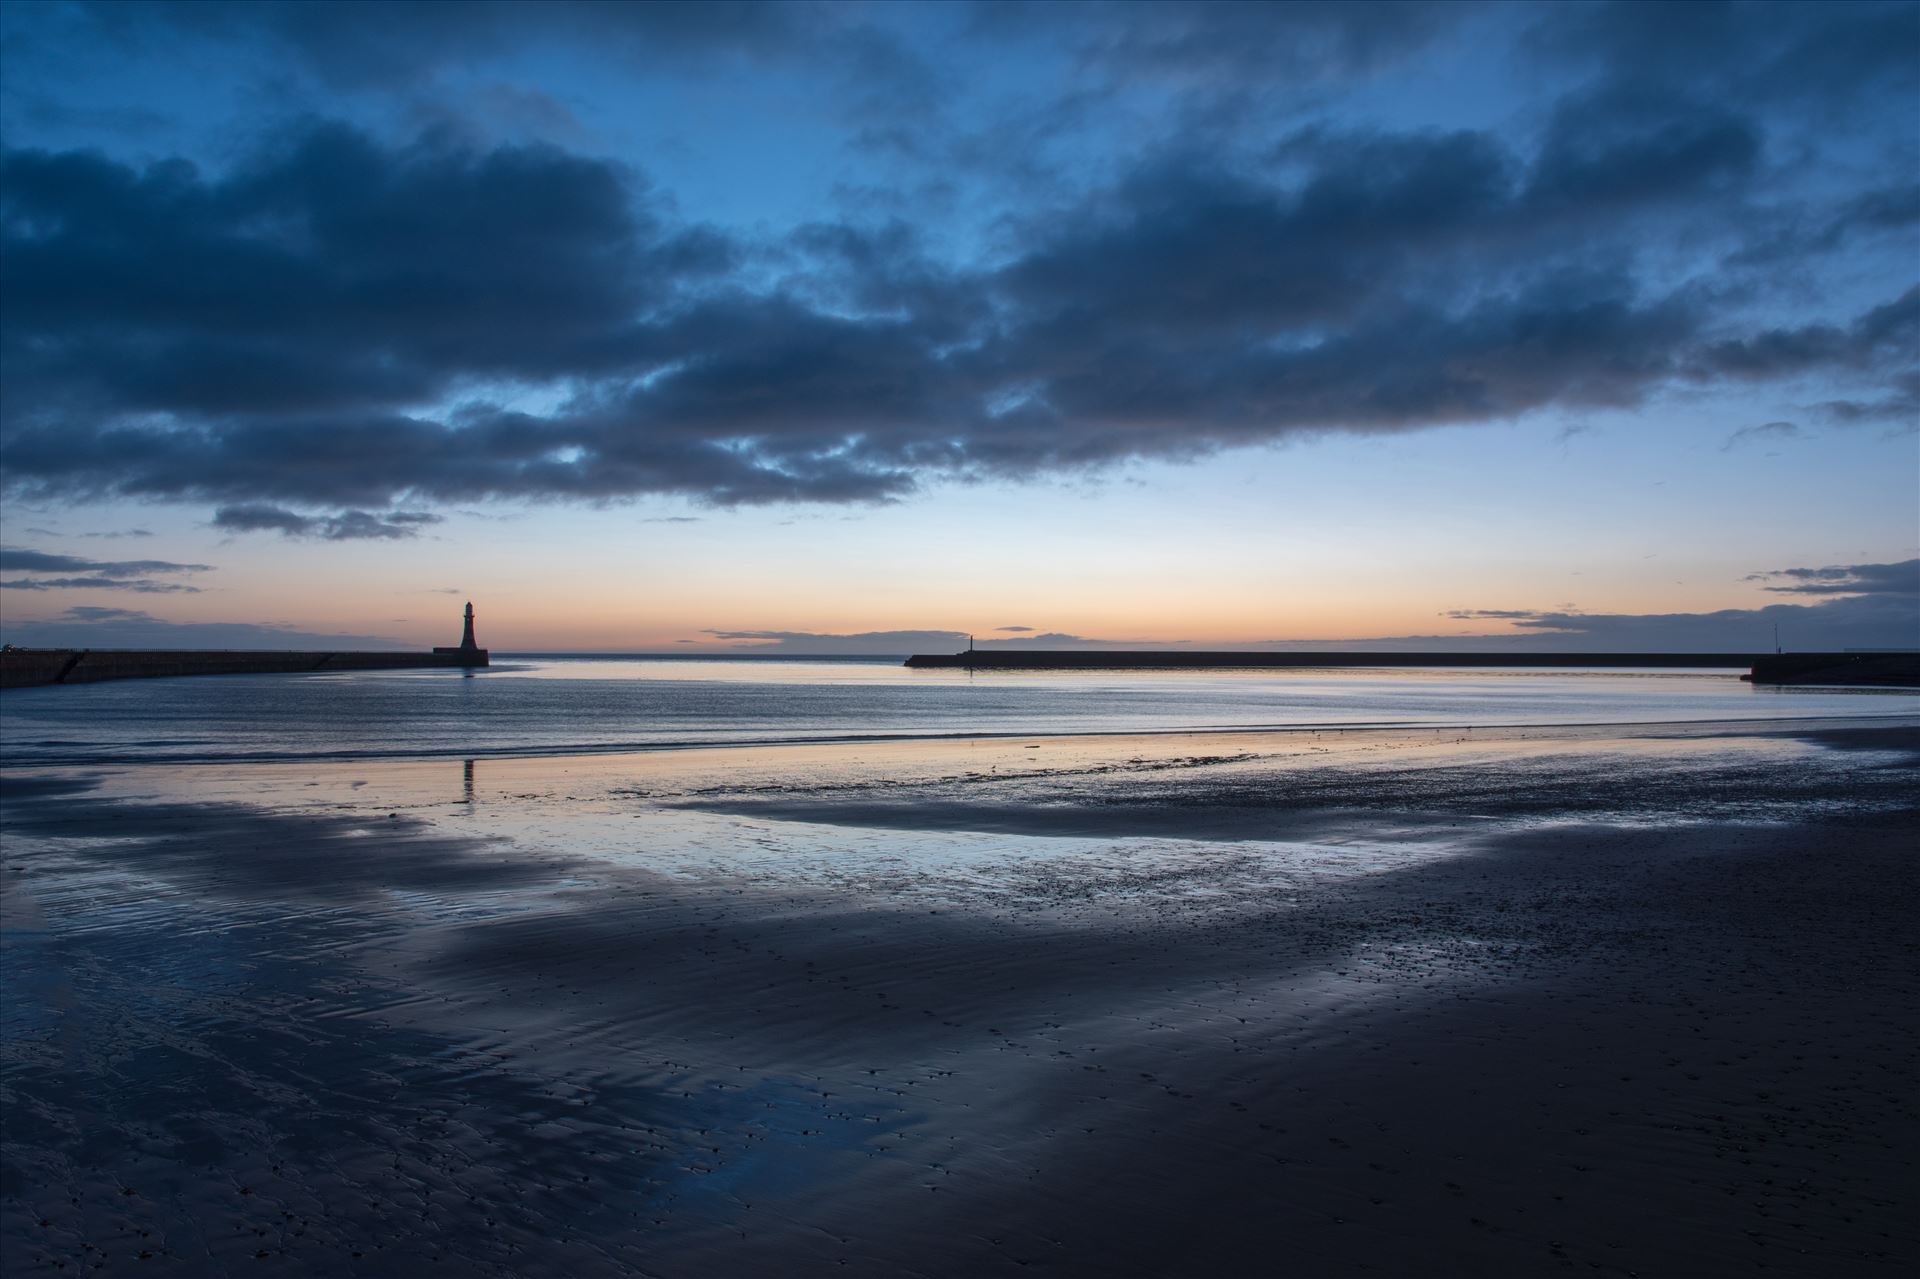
<point>1899,670</point>
<point>32,667</point>
<point>1881,670</point>
<point>1116,659</point>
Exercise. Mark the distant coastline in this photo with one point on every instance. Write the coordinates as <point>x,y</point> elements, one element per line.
<point>1145,658</point>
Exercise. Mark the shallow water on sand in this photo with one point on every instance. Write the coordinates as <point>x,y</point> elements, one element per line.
<point>1087,1005</point>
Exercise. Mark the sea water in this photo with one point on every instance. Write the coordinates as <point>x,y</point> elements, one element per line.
<point>548,705</point>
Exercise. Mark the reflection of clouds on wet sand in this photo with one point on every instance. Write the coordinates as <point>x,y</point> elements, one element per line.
<point>682,1014</point>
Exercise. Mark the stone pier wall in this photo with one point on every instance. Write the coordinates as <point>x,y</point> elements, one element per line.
<point>27,668</point>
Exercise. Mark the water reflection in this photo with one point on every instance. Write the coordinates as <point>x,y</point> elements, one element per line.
<point>586,707</point>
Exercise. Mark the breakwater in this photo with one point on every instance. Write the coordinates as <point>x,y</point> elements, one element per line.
<point>1882,670</point>
<point>28,668</point>
<point>1159,659</point>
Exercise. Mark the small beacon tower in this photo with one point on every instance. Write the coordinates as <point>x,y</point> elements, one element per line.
<point>469,653</point>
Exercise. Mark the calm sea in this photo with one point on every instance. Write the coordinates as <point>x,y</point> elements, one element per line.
<point>558,705</point>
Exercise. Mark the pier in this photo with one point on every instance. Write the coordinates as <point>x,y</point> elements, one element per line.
<point>1116,659</point>
<point>33,667</point>
<point>1897,670</point>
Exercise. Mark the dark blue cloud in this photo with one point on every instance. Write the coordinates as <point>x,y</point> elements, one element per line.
<point>98,627</point>
<point>53,572</point>
<point>1865,606</point>
<point>1832,56</point>
<point>905,642</point>
<point>336,324</point>
<point>345,526</point>
<point>1892,581</point>
<point>1859,606</point>
<point>888,643</point>
<point>20,559</point>
<point>98,582</point>
<point>1228,40</point>
<point>1761,431</point>
<point>353,43</point>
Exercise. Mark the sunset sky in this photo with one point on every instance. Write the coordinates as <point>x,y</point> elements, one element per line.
<point>843,327</point>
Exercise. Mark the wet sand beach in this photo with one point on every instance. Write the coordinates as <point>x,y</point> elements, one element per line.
<point>1610,1000</point>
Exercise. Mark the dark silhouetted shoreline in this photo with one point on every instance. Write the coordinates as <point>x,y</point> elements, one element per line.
<point>33,667</point>
<point>1049,659</point>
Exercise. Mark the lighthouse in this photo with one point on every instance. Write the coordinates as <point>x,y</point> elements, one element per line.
<point>469,653</point>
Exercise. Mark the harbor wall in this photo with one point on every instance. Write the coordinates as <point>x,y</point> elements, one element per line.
<point>1126,659</point>
<point>1882,670</point>
<point>27,668</point>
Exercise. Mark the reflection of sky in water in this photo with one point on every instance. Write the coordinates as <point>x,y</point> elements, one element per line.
<point>231,1060</point>
<point>1251,814</point>
<point>523,1052</point>
<point>556,706</point>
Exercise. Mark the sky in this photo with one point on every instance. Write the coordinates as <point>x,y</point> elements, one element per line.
<point>851,327</point>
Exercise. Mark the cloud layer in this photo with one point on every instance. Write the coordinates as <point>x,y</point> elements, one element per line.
<point>346,526</point>
<point>342,322</point>
<point>1863,606</point>
<point>50,572</point>
<point>901,643</point>
<point>1859,606</point>
<point>98,627</point>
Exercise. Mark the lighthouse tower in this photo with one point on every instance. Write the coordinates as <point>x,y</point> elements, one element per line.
<point>469,653</point>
